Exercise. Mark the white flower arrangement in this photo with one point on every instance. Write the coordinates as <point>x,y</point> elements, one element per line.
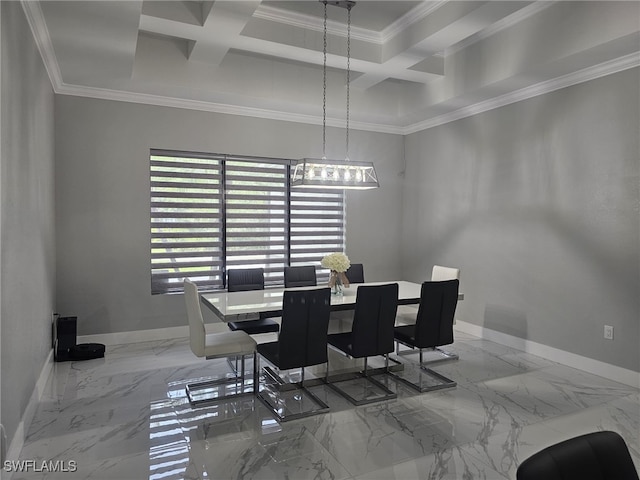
<point>337,262</point>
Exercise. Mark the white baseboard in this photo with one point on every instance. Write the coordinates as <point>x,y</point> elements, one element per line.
<point>613,372</point>
<point>136,336</point>
<point>17,442</point>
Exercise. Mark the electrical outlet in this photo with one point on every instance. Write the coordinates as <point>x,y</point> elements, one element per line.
<point>608,332</point>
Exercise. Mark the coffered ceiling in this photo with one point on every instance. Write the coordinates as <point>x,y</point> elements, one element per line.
<point>414,63</point>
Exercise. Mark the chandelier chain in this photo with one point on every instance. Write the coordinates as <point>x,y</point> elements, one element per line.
<point>348,73</point>
<point>324,86</point>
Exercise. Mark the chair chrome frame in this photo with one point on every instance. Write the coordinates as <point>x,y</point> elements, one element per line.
<point>438,300</point>
<point>309,311</point>
<point>366,374</point>
<point>371,335</point>
<point>288,386</point>
<point>446,356</point>
<point>198,342</point>
<point>192,388</point>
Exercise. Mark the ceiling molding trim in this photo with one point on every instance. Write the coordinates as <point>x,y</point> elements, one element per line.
<point>40,32</point>
<point>161,101</point>
<point>590,73</point>
<point>412,16</point>
<point>310,22</point>
<point>507,22</point>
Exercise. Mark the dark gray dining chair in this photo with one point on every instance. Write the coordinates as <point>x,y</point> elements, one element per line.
<point>355,273</point>
<point>302,343</point>
<point>300,276</point>
<point>371,335</point>
<point>246,279</point>
<point>433,327</point>
<point>602,455</point>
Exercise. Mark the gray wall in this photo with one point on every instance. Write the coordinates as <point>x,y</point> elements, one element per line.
<point>27,258</point>
<point>538,204</point>
<point>102,200</point>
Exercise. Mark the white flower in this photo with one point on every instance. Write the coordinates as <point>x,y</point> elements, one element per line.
<point>338,262</point>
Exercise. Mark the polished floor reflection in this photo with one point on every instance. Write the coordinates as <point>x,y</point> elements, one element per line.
<point>126,417</point>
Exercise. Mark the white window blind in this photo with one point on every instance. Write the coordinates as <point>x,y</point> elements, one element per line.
<point>256,210</point>
<point>317,227</point>
<point>211,213</point>
<point>186,221</point>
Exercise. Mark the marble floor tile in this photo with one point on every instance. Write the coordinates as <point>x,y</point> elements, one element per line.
<point>126,416</point>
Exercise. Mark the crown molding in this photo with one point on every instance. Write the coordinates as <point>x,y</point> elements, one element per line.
<point>40,32</point>
<point>590,73</point>
<point>227,109</point>
<point>42,38</point>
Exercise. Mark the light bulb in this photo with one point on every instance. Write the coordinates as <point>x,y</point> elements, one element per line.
<point>323,173</point>
<point>347,175</point>
<point>336,174</point>
<point>312,173</point>
<point>359,175</point>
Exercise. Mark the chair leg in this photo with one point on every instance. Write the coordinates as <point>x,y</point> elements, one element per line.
<point>445,356</point>
<point>256,373</point>
<point>440,380</point>
<point>242,375</point>
<point>276,393</point>
<point>364,374</point>
<point>238,383</point>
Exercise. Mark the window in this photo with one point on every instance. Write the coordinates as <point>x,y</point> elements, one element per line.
<point>211,213</point>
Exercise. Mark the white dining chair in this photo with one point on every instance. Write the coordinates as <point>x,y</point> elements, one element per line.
<point>216,345</point>
<point>440,273</point>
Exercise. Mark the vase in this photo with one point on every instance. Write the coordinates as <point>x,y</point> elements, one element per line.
<point>336,284</point>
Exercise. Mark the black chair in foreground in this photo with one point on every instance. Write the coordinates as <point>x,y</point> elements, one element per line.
<point>302,343</point>
<point>355,273</point>
<point>300,276</point>
<point>371,335</point>
<point>595,456</point>
<point>433,327</point>
<point>242,280</point>
<point>215,345</point>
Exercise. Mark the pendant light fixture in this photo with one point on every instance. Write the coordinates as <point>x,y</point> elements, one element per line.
<point>322,172</point>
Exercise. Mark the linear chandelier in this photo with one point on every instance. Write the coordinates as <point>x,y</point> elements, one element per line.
<point>323,172</point>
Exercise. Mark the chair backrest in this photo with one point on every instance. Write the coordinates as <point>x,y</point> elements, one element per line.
<point>197,333</point>
<point>302,276</point>
<point>245,279</point>
<point>594,456</point>
<point>355,273</point>
<point>439,273</point>
<point>303,330</point>
<point>434,323</point>
<point>373,320</point>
